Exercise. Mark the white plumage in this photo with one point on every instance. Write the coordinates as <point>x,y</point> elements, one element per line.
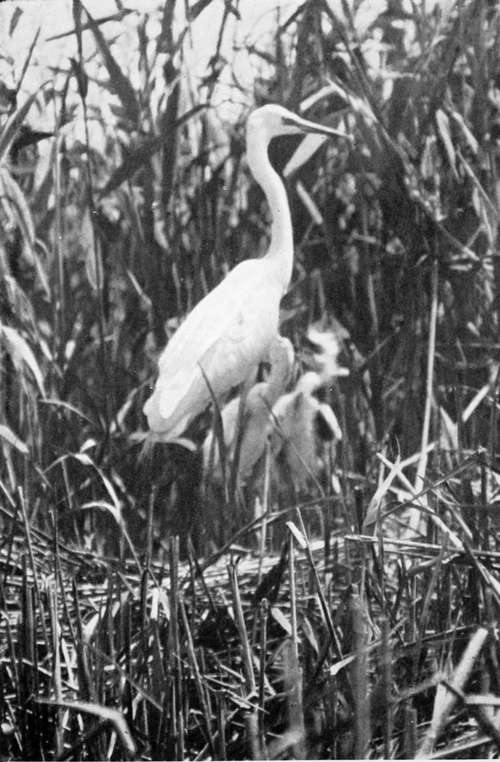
<point>231,330</point>
<point>303,427</point>
<point>254,418</point>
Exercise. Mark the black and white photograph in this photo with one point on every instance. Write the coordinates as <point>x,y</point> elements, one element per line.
<point>249,380</point>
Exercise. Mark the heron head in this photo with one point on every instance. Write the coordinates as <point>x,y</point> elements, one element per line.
<point>272,120</point>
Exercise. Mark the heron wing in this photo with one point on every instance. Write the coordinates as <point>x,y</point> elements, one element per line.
<point>226,334</point>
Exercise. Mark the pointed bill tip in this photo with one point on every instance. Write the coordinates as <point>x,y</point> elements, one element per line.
<point>304,125</point>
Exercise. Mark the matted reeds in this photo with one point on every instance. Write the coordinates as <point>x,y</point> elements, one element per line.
<point>148,608</point>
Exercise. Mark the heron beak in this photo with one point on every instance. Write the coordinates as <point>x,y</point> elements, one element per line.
<point>304,125</point>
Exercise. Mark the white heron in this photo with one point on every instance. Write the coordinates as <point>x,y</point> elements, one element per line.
<point>231,330</point>
<point>254,418</point>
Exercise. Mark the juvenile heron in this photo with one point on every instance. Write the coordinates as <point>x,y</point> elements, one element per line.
<point>254,419</point>
<point>304,427</point>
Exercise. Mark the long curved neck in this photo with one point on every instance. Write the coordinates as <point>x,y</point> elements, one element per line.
<point>281,248</point>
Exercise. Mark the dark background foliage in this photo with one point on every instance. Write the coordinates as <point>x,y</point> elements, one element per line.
<point>118,213</point>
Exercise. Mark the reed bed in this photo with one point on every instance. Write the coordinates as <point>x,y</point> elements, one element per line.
<point>149,610</point>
